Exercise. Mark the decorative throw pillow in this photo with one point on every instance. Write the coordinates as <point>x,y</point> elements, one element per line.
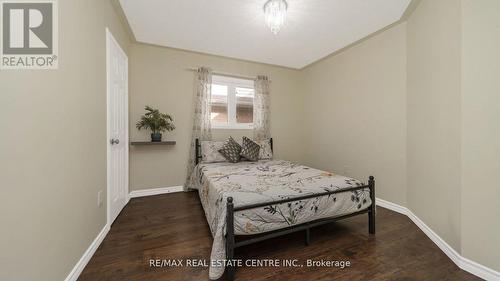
<point>210,151</point>
<point>265,149</point>
<point>231,150</point>
<point>250,150</point>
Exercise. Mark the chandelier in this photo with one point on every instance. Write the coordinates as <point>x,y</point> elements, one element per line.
<point>275,14</point>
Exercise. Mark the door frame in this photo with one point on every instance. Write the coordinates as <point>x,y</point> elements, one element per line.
<point>109,39</point>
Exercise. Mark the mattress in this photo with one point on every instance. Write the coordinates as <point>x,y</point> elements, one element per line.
<point>266,181</point>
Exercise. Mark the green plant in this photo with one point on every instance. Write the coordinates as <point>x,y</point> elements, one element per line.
<point>156,121</point>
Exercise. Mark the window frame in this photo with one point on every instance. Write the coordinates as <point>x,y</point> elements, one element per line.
<point>232,83</point>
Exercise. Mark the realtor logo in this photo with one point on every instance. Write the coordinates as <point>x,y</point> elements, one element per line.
<point>29,35</point>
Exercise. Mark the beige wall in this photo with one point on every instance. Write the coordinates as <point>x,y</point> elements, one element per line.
<point>53,149</point>
<point>481,132</point>
<point>355,113</point>
<point>434,118</point>
<point>159,77</point>
<point>434,148</point>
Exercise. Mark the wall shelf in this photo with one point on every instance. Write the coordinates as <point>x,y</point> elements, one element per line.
<point>143,143</point>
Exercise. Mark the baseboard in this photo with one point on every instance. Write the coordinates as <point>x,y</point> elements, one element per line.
<point>80,265</point>
<point>391,206</point>
<point>462,262</point>
<point>445,247</point>
<point>155,191</point>
<point>479,270</point>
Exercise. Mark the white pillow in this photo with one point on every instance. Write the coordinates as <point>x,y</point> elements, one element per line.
<point>210,152</point>
<point>265,149</point>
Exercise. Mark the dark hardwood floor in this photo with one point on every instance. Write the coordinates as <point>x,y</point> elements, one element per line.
<point>173,226</point>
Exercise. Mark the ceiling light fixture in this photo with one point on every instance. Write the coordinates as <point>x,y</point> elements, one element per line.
<point>275,13</point>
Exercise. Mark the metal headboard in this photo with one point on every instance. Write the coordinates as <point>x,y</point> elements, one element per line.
<point>197,149</point>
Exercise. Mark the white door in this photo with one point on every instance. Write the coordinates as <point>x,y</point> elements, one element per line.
<point>117,118</point>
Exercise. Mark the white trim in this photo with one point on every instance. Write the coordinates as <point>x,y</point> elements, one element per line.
<point>445,247</point>
<point>239,82</point>
<point>462,262</point>
<point>155,191</point>
<point>108,150</point>
<point>232,126</point>
<point>391,206</point>
<point>479,270</point>
<point>232,83</point>
<point>80,265</point>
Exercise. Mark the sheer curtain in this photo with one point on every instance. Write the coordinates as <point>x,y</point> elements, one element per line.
<point>201,126</point>
<point>261,109</point>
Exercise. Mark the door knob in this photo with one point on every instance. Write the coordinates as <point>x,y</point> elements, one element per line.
<point>114,141</point>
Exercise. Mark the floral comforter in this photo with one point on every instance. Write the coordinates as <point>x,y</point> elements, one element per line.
<point>269,180</point>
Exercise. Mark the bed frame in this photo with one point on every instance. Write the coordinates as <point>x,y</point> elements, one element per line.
<point>232,244</point>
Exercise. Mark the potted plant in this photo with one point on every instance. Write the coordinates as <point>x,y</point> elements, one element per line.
<point>155,121</point>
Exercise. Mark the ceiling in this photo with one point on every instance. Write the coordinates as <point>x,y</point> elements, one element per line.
<point>236,28</point>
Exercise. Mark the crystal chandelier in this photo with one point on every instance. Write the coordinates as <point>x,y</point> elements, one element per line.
<point>275,13</point>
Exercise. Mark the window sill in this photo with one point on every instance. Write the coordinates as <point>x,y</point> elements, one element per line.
<point>232,126</point>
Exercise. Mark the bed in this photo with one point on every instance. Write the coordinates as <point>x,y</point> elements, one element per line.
<point>270,198</point>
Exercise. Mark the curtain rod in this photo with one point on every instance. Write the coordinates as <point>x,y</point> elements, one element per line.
<point>225,74</point>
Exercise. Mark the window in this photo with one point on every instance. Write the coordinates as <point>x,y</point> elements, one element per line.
<point>232,103</point>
